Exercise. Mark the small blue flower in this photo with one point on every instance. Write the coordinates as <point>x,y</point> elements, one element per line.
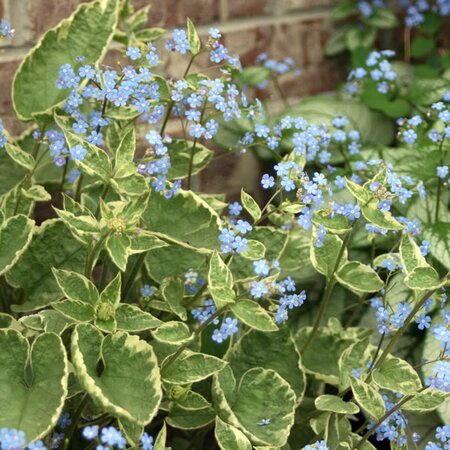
<point>78,152</point>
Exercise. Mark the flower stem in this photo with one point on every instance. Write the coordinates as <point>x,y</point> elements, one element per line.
<point>327,293</point>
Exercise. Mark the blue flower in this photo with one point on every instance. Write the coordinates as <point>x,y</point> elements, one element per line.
<point>90,432</point>
<point>134,53</point>
<point>146,441</point>
<point>78,152</point>
<point>442,171</point>
<point>267,181</point>
<point>235,208</point>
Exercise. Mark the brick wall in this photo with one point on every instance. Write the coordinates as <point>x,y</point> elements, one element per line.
<point>295,28</point>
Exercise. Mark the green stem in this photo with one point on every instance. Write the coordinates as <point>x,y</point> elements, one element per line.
<point>63,178</point>
<point>102,197</point>
<point>78,188</point>
<point>387,414</point>
<point>132,274</point>
<point>75,419</point>
<point>399,333</point>
<point>327,293</point>
<point>172,103</point>
<point>93,255</point>
<point>204,325</point>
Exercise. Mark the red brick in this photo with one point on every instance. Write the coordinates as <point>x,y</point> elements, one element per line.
<point>244,8</point>
<point>45,14</point>
<point>2,9</point>
<point>170,13</point>
<point>12,124</point>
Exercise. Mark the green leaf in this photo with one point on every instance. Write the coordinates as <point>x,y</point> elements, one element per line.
<point>335,404</point>
<point>84,228</point>
<point>117,247</point>
<point>356,38</point>
<point>15,236</point>
<point>172,290</point>
<point>87,32</point>
<point>336,224</point>
<point>397,375</point>
<point>439,236</point>
<point>22,158</point>
<point>194,40</point>
<point>229,437</point>
<point>173,332</point>
<point>410,254</point>
<point>160,442</point>
<point>256,250</point>
<point>368,398</point>
<point>253,315</point>
<point>133,185</point>
<point>31,377</point>
<point>253,76</point>
<point>174,261</point>
<point>376,217</point>
<point>143,241</point>
<point>52,246</point>
<point>76,287</point>
<point>111,293</point>
<point>423,278</point>
<point>129,386</point>
<point>275,351</point>
<point>37,193</point>
<point>421,46</point>
<point>131,430</point>
<point>190,367</point>
<point>359,277</point>
<point>374,127</point>
<point>76,310</point>
<point>124,163</point>
<point>190,412</point>
<point>197,224</point>
<point>133,319</point>
<point>356,355</point>
<point>250,205</point>
<point>425,401</point>
<point>325,258</point>
<point>220,282</point>
<point>96,163</point>
<point>425,91</point>
<point>382,18</point>
<point>330,342</point>
<point>337,42</point>
<point>262,394</point>
<point>357,191</point>
<point>180,152</point>
<point>343,10</point>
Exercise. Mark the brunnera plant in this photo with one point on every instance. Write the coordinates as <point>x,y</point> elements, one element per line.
<point>144,314</point>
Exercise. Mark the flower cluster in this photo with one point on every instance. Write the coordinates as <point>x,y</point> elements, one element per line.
<point>11,439</point>
<point>366,8</point>
<point>410,128</point>
<point>378,69</point>
<point>231,235</point>
<point>110,437</point>
<point>192,282</point>
<point>394,427</point>
<point>280,294</point>
<point>416,10</point>
<point>141,94</point>
<point>228,327</point>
